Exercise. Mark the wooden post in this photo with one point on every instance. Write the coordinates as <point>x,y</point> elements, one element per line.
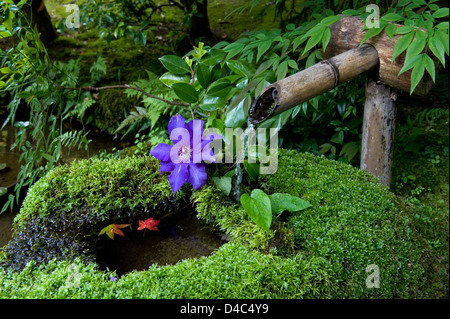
<point>378,131</point>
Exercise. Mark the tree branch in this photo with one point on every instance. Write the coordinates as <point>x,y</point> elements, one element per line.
<point>123,86</point>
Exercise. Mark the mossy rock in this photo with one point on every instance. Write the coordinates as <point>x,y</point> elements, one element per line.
<point>112,108</point>
<point>322,252</point>
<point>64,211</point>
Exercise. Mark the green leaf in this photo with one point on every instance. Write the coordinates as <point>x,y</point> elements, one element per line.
<point>326,38</point>
<point>409,64</point>
<point>263,47</point>
<point>293,64</point>
<point>281,202</point>
<point>402,44</point>
<point>442,37</point>
<point>236,116</point>
<point>314,39</point>
<point>442,12</point>
<point>241,67</point>
<point>437,48</point>
<point>212,103</point>
<point>213,57</point>
<point>185,92</point>
<point>390,30</point>
<point>252,169</point>
<point>324,148</point>
<point>282,70</point>
<point>3,191</point>
<point>169,79</point>
<point>175,64</point>
<point>417,72</point>
<point>216,73</point>
<point>417,46</point>
<point>223,183</point>
<point>371,33</point>
<point>2,166</point>
<point>234,49</point>
<point>329,20</point>
<point>220,89</point>
<point>405,29</point>
<point>349,149</point>
<point>297,41</point>
<point>5,70</point>
<point>203,75</point>
<point>392,17</point>
<point>48,157</point>
<point>442,25</point>
<point>258,207</point>
<point>429,66</point>
<point>351,12</point>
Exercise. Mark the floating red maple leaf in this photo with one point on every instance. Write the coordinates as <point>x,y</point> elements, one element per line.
<point>149,224</point>
<point>112,229</point>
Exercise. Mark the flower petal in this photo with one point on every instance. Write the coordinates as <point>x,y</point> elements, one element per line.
<point>176,121</point>
<point>197,175</point>
<point>161,152</point>
<point>179,176</point>
<point>166,166</point>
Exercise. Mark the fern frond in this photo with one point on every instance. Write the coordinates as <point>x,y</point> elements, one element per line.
<point>74,138</point>
<point>140,114</point>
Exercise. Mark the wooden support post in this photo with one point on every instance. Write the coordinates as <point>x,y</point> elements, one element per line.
<point>378,131</point>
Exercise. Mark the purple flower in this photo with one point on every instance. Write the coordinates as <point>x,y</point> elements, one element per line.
<point>184,158</point>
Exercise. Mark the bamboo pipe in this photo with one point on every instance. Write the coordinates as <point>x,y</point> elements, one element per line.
<point>315,80</point>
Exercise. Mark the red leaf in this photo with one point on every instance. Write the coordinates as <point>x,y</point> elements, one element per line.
<point>149,224</point>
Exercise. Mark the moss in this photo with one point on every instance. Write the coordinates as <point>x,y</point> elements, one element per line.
<point>353,223</point>
<point>234,271</point>
<point>112,108</point>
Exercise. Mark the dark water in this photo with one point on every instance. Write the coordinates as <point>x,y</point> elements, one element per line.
<point>183,238</point>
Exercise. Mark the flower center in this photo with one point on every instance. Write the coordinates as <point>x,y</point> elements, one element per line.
<point>185,154</point>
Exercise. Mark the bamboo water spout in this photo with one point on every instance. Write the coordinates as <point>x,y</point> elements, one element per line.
<point>313,81</point>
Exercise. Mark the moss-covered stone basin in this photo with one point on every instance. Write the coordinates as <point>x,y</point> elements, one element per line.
<point>321,252</point>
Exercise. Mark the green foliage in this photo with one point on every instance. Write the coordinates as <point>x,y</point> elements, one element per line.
<point>36,83</point>
<point>421,32</point>
<point>260,206</point>
<point>257,205</point>
<point>149,115</point>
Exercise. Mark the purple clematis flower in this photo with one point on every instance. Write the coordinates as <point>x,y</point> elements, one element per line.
<point>184,158</point>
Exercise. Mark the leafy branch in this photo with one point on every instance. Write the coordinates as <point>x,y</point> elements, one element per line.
<point>125,87</point>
